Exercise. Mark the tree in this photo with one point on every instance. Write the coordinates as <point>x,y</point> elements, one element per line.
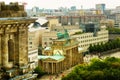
<point>39,71</point>
<point>90,48</point>
<point>108,69</point>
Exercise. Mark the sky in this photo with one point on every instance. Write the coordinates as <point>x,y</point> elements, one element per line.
<point>55,4</point>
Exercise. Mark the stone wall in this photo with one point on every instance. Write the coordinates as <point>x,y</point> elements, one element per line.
<point>12,10</point>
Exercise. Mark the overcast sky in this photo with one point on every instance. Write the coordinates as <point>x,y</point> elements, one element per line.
<point>54,4</point>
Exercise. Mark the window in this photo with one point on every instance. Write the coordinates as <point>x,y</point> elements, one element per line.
<point>50,38</point>
<point>50,43</point>
<point>30,42</point>
<point>30,47</point>
<point>45,38</point>
<point>45,43</point>
<point>30,38</point>
<point>28,59</point>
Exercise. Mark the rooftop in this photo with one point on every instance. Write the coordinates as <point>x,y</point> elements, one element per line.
<point>16,18</point>
<point>55,57</point>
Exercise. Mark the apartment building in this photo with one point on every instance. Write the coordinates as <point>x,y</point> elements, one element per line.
<point>34,40</point>
<point>49,35</point>
<point>85,39</point>
<point>77,20</point>
<point>32,50</point>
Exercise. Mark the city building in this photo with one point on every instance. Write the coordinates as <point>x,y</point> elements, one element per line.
<point>116,18</point>
<point>90,34</point>
<point>50,34</point>
<point>87,38</point>
<point>117,10</point>
<point>77,20</point>
<point>34,40</point>
<point>113,36</point>
<point>100,7</point>
<point>109,23</point>
<point>73,8</point>
<point>32,50</point>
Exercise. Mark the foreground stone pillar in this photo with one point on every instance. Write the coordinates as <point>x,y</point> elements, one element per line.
<point>4,46</point>
<point>0,52</point>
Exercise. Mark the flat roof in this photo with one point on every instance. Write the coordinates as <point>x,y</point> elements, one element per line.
<point>15,18</point>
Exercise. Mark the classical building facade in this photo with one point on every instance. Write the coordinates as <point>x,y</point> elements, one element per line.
<point>62,55</point>
<point>14,42</point>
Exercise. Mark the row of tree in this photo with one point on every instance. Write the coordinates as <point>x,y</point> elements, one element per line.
<point>38,70</point>
<point>108,69</point>
<point>114,30</point>
<point>105,47</point>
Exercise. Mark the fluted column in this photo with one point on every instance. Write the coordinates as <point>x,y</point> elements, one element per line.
<point>0,52</point>
<point>4,46</point>
<point>52,68</point>
<point>56,67</point>
<point>61,66</point>
<point>23,45</point>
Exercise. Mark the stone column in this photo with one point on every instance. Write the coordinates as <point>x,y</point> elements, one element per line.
<point>0,52</point>
<point>4,47</point>
<point>43,66</point>
<point>70,58</point>
<point>52,68</point>
<point>47,68</point>
<point>60,66</point>
<point>22,45</point>
<point>63,66</point>
<point>56,67</point>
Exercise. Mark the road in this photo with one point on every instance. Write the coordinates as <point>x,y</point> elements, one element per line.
<point>87,58</point>
<point>54,77</point>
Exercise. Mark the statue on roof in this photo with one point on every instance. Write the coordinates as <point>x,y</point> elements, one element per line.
<point>61,35</point>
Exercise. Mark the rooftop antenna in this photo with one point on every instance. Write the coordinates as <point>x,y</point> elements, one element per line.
<point>81,6</point>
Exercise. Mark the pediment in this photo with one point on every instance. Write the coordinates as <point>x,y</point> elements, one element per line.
<point>49,59</point>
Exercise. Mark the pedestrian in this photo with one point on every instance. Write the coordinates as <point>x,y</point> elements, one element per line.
<point>99,55</point>
<point>62,75</point>
<point>56,75</point>
<point>50,77</point>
